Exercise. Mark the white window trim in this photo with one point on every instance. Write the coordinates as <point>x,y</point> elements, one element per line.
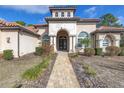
<point>62,14</point>
<point>82,46</point>
<point>68,14</point>
<point>56,13</point>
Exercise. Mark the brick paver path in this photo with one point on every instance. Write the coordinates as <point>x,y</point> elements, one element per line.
<point>63,75</point>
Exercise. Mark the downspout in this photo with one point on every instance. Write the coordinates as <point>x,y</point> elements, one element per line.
<point>95,40</point>
<point>18,44</point>
<point>72,44</point>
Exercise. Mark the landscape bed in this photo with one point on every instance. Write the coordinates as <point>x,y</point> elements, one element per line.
<point>104,71</point>
<point>42,80</point>
<point>11,71</point>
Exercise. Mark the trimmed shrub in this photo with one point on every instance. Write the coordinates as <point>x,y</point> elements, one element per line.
<point>122,51</point>
<point>1,55</point>
<point>112,51</point>
<point>73,55</point>
<point>89,70</point>
<point>89,51</point>
<point>39,51</point>
<point>48,49</point>
<point>98,51</point>
<point>8,54</point>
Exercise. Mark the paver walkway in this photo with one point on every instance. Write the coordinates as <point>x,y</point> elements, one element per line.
<point>63,75</point>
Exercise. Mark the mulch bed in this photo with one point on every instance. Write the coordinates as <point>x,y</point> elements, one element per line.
<point>85,80</point>
<point>109,71</point>
<point>43,80</point>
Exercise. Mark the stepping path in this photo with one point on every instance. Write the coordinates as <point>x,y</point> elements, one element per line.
<point>63,75</point>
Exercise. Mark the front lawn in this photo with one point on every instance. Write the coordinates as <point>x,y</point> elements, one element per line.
<point>11,71</point>
<point>28,71</point>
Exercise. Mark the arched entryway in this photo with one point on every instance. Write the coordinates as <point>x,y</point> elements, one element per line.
<point>62,40</point>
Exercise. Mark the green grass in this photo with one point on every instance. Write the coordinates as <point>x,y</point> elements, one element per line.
<point>89,70</point>
<point>35,72</point>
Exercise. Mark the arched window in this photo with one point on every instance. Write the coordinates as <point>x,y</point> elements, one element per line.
<point>108,41</point>
<point>81,36</point>
<point>56,14</point>
<point>45,38</point>
<point>62,14</point>
<point>68,14</point>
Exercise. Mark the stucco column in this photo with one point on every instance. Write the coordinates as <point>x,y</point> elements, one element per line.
<point>51,40</point>
<point>74,38</point>
<point>54,43</point>
<point>70,43</point>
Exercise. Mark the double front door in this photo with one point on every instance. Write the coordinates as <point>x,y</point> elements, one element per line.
<point>62,43</point>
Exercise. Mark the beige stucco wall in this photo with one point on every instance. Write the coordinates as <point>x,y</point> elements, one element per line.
<point>70,27</point>
<point>28,42</point>
<point>102,36</point>
<point>41,32</point>
<point>86,27</point>
<point>13,45</point>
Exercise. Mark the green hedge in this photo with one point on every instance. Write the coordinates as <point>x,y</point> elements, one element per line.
<point>8,54</point>
<point>112,50</point>
<point>89,51</point>
<point>98,51</point>
<point>39,51</point>
<point>122,51</point>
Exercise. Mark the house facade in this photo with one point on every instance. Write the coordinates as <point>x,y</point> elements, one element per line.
<point>63,29</point>
<point>22,40</point>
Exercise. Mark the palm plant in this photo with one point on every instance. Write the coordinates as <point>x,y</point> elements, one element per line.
<point>86,42</point>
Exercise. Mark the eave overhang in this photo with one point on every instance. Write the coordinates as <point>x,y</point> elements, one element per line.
<point>18,28</point>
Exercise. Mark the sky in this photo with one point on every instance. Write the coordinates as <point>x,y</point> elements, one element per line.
<point>34,14</point>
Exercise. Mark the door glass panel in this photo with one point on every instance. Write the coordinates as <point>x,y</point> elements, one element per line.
<point>62,43</point>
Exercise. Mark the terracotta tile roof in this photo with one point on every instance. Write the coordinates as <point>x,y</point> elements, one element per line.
<point>108,29</point>
<point>8,24</point>
<point>30,29</point>
<point>40,25</point>
<point>2,22</point>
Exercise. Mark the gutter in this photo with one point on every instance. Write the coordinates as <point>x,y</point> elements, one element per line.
<point>20,28</point>
<point>95,40</point>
